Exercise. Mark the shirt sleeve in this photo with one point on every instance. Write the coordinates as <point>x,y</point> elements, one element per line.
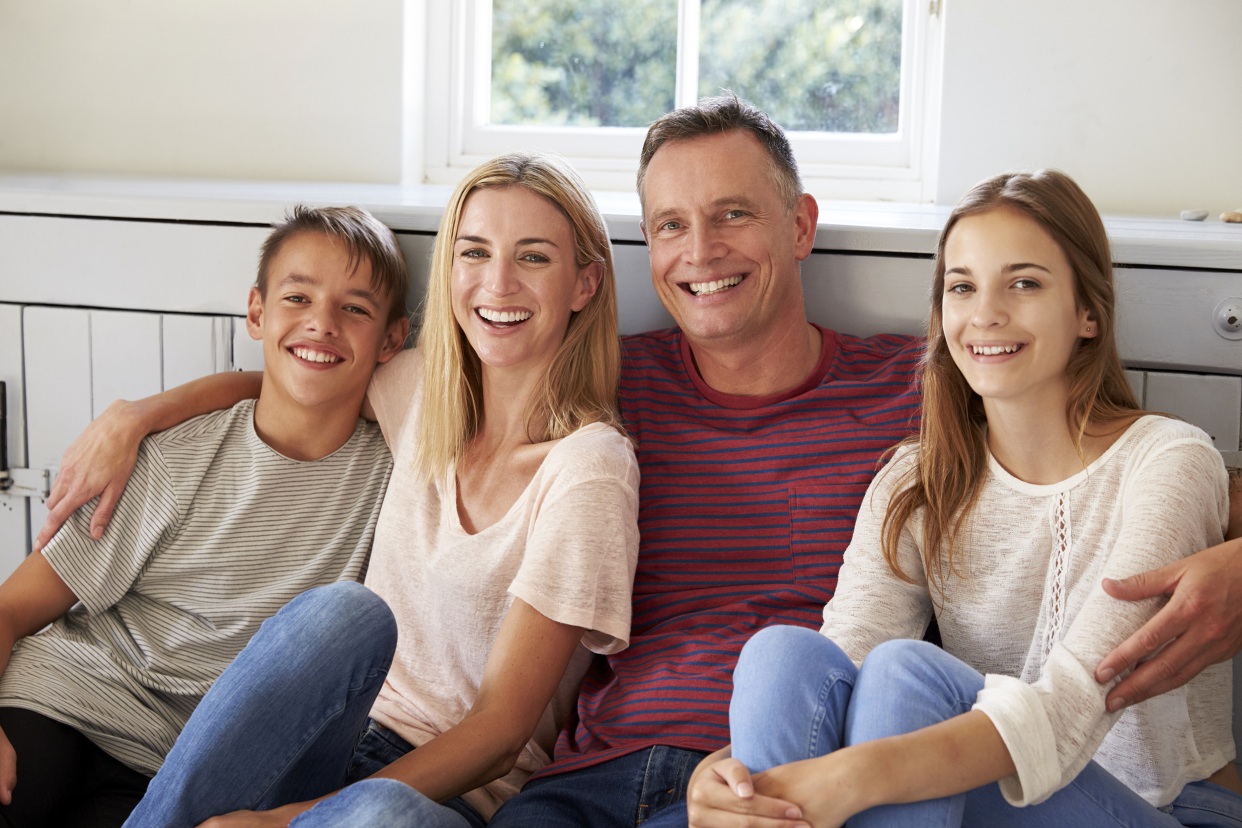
<point>871,604</point>
<point>582,545</point>
<point>1174,504</point>
<point>100,571</point>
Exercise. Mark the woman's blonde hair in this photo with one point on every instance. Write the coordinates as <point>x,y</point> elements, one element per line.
<point>580,385</point>
<point>952,446</point>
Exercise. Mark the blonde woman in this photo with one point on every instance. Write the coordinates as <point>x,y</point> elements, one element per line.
<point>1034,477</point>
<point>506,541</point>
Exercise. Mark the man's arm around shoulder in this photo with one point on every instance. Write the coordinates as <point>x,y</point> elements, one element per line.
<point>1204,615</point>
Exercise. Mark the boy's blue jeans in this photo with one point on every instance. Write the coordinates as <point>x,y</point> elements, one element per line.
<point>287,722</point>
<point>796,695</point>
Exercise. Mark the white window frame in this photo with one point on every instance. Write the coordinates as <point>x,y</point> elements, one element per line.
<point>457,137</point>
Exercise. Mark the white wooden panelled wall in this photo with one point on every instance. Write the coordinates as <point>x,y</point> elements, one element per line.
<point>98,309</point>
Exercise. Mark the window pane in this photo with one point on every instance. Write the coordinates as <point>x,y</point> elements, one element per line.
<point>565,62</point>
<point>823,66</point>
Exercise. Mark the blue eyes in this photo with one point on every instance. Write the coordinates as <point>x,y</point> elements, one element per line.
<point>477,254</point>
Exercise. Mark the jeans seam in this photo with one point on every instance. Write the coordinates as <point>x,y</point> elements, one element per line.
<point>1086,791</point>
<point>821,710</point>
<point>309,740</point>
<point>640,817</point>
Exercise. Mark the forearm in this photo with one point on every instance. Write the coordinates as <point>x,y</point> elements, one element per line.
<point>957,755</point>
<point>479,749</point>
<point>30,599</point>
<point>461,759</point>
<point>948,758</point>
<point>201,396</point>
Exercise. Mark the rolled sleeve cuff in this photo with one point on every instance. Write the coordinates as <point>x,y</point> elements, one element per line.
<point>1016,711</point>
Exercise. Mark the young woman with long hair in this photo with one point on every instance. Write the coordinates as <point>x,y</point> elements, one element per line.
<point>1034,476</point>
<point>504,551</point>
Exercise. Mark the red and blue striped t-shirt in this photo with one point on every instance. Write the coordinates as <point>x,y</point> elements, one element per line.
<point>745,508</point>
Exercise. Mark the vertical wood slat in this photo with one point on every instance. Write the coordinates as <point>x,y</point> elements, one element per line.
<point>126,359</point>
<point>14,518</point>
<point>58,387</point>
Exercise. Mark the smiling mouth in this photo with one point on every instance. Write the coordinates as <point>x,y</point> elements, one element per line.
<point>709,288</point>
<point>994,350</point>
<point>311,355</point>
<point>503,319</point>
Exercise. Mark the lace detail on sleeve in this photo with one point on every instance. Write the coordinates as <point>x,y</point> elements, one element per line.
<point>1062,535</point>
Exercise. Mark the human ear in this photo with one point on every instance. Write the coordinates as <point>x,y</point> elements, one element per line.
<point>394,338</point>
<point>589,278</point>
<point>254,314</point>
<point>806,220</point>
<point>1088,328</point>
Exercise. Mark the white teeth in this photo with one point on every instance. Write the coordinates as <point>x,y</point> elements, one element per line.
<point>505,316</point>
<point>315,356</point>
<point>708,288</point>
<point>993,350</point>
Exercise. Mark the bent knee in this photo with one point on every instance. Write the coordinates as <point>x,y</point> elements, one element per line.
<point>370,802</point>
<point>343,612</point>
<point>775,651</point>
<point>898,666</point>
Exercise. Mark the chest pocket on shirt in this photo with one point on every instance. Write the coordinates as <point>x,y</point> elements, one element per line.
<point>821,520</point>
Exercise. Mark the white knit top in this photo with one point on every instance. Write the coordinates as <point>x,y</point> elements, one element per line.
<point>1030,614</point>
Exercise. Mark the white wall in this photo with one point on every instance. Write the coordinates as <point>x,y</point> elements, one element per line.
<point>268,89</point>
<point>1139,100</point>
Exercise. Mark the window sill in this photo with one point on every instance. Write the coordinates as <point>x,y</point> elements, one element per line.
<point>876,227</point>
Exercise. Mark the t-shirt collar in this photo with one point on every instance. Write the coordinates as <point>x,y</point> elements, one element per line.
<point>827,350</point>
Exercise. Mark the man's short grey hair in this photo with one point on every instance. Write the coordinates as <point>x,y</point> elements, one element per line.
<point>725,113</point>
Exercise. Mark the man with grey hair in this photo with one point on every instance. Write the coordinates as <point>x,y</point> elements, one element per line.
<point>758,434</point>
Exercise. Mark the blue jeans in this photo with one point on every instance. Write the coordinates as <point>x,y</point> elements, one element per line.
<point>647,788</point>
<point>287,722</point>
<point>796,695</point>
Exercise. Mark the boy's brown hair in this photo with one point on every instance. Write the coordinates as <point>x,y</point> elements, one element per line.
<point>365,236</point>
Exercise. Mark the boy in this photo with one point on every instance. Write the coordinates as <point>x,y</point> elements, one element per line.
<point>227,518</point>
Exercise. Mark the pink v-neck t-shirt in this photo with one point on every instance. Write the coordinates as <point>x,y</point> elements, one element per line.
<point>567,547</point>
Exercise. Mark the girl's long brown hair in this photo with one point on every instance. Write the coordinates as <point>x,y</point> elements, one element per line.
<point>952,448</point>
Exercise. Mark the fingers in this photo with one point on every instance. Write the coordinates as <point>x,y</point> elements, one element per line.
<point>703,817</point>
<point>8,770</point>
<point>1164,626</point>
<point>103,511</point>
<point>1176,664</point>
<point>736,776</point>
<point>58,513</point>
<point>1146,584</point>
<point>722,796</point>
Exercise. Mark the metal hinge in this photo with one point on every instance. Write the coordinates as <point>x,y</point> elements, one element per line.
<point>933,8</point>
<point>26,482</point>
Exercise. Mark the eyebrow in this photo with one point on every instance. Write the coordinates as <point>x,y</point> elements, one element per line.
<point>481,240</point>
<point>1009,268</point>
<point>1023,266</point>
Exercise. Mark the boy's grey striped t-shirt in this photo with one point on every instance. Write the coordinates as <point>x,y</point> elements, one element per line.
<point>214,534</point>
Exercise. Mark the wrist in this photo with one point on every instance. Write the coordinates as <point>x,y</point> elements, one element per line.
<point>863,776</point>
<point>127,416</point>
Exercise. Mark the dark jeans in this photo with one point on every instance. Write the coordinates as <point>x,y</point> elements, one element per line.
<point>646,788</point>
<point>64,780</point>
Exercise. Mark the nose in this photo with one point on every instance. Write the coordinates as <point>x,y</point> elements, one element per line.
<point>502,278</point>
<point>989,309</point>
<point>704,244</point>
<point>324,319</point>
